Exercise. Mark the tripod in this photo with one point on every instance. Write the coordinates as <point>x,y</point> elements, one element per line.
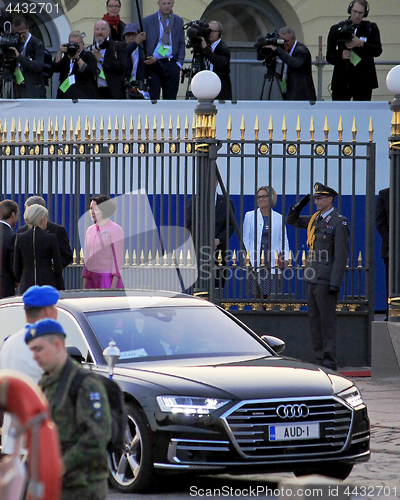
<point>196,65</point>
<point>7,87</point>
<point>271,76</point>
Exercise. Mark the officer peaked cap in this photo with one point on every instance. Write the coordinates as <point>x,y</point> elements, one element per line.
<point>42,327</point>
<point>40,296</point>
<point>321,190</point>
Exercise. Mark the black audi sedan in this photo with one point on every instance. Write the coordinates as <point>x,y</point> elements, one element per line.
<point>204,393</point>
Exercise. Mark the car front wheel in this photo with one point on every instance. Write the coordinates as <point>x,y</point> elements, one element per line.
<point>336,471</point>
<point>132,470</point>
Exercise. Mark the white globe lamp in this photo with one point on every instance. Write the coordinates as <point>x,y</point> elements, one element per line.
<point>393,80</point>
<point>205,86</point>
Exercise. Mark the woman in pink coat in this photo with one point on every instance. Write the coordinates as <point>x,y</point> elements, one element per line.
<point>104,246</point>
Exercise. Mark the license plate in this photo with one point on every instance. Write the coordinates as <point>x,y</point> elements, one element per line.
<point>292,432</point>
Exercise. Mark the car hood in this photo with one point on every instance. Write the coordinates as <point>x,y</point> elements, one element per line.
<point>255,378</point>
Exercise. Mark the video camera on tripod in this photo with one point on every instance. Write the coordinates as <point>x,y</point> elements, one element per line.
<point>269,58</point>
<point>346,31</point>
<point>8,63</point>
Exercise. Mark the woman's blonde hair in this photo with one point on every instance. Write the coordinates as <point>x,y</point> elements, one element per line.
<point>34,214</point>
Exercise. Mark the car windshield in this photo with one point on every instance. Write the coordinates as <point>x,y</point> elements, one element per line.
<point>157,332</point>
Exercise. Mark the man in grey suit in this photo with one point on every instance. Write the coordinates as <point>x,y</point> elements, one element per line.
<point>166,50</point>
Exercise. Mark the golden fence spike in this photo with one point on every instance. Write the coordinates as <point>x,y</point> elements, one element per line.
<point>178,127</point>
<point>340,129</point>
<point>50,131</point>
<point>157,258</point>
<point>94,128</point>
<point>298,128</point>
<point>234,258</point>
<point>63,129</point>
<point>270,127</point>
<point>290,258</point>
<point>116,128</point>
<point>33,128</point>
<point>131,128</point>
<point>134,258</point>
<point>189,258</point>
<point>359,259</point>
<point>197,128</point>
<point>20,130</point>
<point>284,128</point>
<point>173,257</point>
<point>13,129</point>
<point>181,258</point>
<point>26,130</point>
<point>165,258</point>
<point>162,127</point>
<point>87,128</point>
<point>242,128</point>
<point>303,258</point>
<point>276,259</point>
<point>247,258</point>
<point>42,129</point>
<point>229,128</point>
<point>155,128</point>
<point>109,128</point>
<point>219,258</point>
<point>326,128</point>
<point>102,128</point>
<point>139,128</point>
<point>1,132</point>
<point>74,256</point>
<point>149,258</point>
<point>147,127</point>
<point>78,129</point>
<point>262,260</point>
<point>312,128</point>
<point>370,129</point>
<point>256,129</point>
<point>171,128</point>
<point>354,130</point>
<point>194,127</point>
<point>123,128</point>
<point>71,129</point>
<point>81,257</point>
<point>142,258</point>
<point>127,258</point>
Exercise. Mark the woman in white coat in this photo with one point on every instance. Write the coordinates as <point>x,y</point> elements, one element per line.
<point>266,226</point>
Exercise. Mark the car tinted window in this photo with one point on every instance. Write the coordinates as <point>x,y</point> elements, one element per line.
<point>183,331</point>
<point>74,333</point>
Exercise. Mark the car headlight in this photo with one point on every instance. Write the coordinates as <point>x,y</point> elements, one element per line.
<point>188,405</point>
<point>352,397</point>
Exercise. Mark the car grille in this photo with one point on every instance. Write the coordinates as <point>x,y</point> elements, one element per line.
<point>248,424</point>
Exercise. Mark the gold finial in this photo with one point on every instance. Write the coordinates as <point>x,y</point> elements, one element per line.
<point>157,258</point>
<point>13,130</point>
<point>19,130</point>
<point>147,127</point>
<point>256,129</point>
<point>94,128</point>
<point>298,128</point>
<point>162,127</point>
<point>81,257</point>
<point>116,128</point>
<point>359,259</point>
<point>63,129</point>
<point>33,129</point>
<point>50,132</point>
<point>142,258</point>
<point>71,129</point>
<point>189,258</point>
<point>303,258</point>
<point>165,258</point>
<point>155,128</point>
<point>270,127</point>
<point>74,256</point>
<point>219,258</point>
<point>131,128</point>
<point>284,128</point>
<point>186,126</point>
<point>78,129</point>
<point>56,129</point>
<point>370,129</point>
<point>262,260</point>
<point>242,129</point>
<point>234,259</point>
<point>312,129</point>
<point>326,128</point>
<point>178,128</point>
<point>87,128</point>
<point>139,128</point>
<point>173,258</point>
<point>181,258</point>
<point>229,128</point>
<point>247,258</point>
<point>149,258</point>
<point>171,128</point>
<point>198,126</point>
<point>109,128</point>
<point>134,258</point>
<point>194,126</point>
<point>276,259</point>
<point>26,130</point>
<point>123,128</point>
<point>290,259</point>
<point>102,128</point>
<point>127,258</point>
<point>42,129</point>
<point>1,132</point>
<point>354,130</point>
<point>340,129</point>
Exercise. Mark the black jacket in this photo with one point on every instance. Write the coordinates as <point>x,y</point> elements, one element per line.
<point>382,220</point>
<point>31,63</point>
<point>85,86</point>
<point>8,279</point>
<point>63,245</point>
<point>141,69</point>
<point>364,73</point>
<point>220,59</point>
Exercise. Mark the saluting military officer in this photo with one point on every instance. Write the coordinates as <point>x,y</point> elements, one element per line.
<point>328,236</point>
<point>83,423</point>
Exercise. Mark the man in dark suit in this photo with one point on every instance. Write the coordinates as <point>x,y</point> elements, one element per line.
<point>77,68</point>
<point>382,225</point>
<point>111,63</point>
<point>8,220</point>
<point>296,82</point>
<point>166,50</point>
<point>60,233</point>
<point>223,232</point>
<point>218,57</point>
<point>29,82</point>
<point>328,236</point>
<point>354,73</point>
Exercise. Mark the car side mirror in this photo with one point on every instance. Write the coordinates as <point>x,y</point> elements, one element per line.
<point>75,353</point>
<point>276,344</point>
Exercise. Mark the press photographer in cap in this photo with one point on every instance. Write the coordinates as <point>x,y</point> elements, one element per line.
<point>136,69</point>
<point>328,236</point>
<point>39,303</point>
<point>351,48</point>
<point>84,424</point>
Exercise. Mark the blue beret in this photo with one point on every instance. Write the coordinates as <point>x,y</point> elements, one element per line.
<point>40,296</point>
<point>45,326</point>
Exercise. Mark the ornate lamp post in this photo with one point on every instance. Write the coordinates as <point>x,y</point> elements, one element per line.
<point>393,84</point>
<point>205,86</point>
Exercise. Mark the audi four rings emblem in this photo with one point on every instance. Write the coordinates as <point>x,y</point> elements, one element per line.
<point>292,411</point>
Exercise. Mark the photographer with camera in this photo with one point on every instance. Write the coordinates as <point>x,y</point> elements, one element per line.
<point>217,59</point>
<point>77,69</point>
<point>351,48</point>
<point>296,79</point>
<point>136,69</point>
<point>29,56</point>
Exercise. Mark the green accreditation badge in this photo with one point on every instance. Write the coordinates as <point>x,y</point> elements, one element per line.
<point>66,84</point>
<point>354,58</point>
<point>163,51</point>
<point>284,85</point>
<point>102,75</point>
<point>19,77</point>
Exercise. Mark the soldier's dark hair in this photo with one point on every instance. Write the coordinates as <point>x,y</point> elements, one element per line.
<point>7,208</point>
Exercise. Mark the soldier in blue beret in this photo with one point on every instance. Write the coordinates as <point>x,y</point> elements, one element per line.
<point>39,303</point>
<point>83,422</point>
<point>328,236</point>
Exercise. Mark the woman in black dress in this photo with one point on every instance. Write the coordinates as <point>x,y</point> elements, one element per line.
<point>37,258</point>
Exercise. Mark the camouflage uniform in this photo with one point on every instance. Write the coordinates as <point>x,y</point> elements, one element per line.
<point>84,431</point>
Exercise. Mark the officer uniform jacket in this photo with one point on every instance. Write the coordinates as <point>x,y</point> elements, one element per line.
<point>299,82</point>
<point>84,428</point>
<point>330,250</point>
<point>31,63</point>
<point>220,59</point>
<point>364,73</point>
<point>7,238</point>
<point>85,86</point>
